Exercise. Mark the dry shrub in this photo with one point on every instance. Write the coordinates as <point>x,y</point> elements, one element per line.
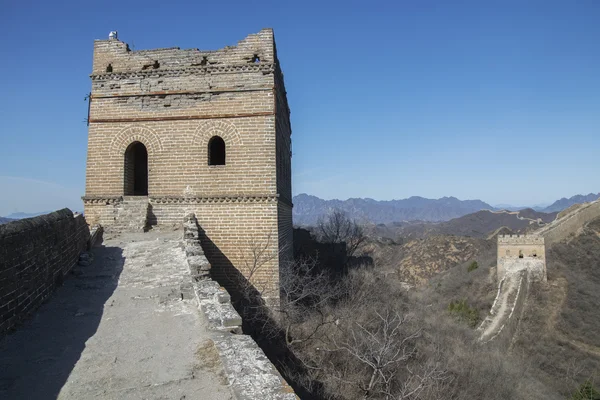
<point>381,345</point>
<point>367,337</point>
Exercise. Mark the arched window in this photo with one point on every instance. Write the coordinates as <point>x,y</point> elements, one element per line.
<point>216,151</point>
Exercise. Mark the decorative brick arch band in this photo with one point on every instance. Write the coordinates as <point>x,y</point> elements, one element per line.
<point>208,129</point>
<point>131,134</point>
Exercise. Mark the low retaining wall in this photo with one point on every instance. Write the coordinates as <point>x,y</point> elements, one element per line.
<point>249,371</point>
<point>35,254</point>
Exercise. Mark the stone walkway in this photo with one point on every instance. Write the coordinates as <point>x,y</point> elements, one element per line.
<point>507,307</point>
<point>125,327</point>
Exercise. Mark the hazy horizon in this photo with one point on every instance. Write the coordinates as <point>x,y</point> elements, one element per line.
<point>32,196</point>
<point>47,196</point>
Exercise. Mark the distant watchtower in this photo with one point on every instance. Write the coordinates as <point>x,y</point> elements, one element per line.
<point>518,252</point>
<point>176,131</point>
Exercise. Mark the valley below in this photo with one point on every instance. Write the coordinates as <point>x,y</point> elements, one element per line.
<point>443,277</point>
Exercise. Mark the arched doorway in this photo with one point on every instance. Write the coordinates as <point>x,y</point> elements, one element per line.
<point>136,170</point>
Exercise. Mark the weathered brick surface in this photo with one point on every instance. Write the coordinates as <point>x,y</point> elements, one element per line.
<point>35,254</point>
<point>174,101</point>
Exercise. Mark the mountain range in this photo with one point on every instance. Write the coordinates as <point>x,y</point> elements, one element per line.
<point>564,203</point>
<point>21,215</point>
<point>308,209</point>
<point>482,224</point>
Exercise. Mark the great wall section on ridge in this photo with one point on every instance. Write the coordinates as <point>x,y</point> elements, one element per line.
<point>199,140</point>
<point>521,262</point>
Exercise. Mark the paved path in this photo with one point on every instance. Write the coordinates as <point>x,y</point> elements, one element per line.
<point>118,329</point>
<point>507,307</point>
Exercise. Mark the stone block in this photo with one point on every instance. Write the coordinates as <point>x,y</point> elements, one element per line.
<point>207,289</point>
<point>198,263</point>
<point>222,296</point>
<point>229,316</point>
<point>193,249</point>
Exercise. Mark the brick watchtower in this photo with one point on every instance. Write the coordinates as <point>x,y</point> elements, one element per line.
<point>176,131</point>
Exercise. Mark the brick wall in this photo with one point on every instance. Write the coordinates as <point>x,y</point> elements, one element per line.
<point>35,254</point>
<point>178,157</point>
<point>521,251</point>
<point>570,223</point>
<point>231,231</point>
<point>510,246</point>
<point>174,101</point>
<point>286,232</point>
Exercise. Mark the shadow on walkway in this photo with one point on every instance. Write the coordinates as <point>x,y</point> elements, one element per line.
<point>37,359</point>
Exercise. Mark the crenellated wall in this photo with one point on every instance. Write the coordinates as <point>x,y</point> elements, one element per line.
<point>35,254</point>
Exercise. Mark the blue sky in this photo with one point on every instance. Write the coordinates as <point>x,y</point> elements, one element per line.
<point>497,100</point>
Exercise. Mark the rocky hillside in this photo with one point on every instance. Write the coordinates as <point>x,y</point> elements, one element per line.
<point>308,209</point>
<point>415,252</point>
<point>416,261</point>
<point>558,333</point>
<point>5,220</point>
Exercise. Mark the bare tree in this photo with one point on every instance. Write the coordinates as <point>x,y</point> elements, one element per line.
<point>304,290</point>
<point>380,358</point>
<point>305,293</point>
<point>379,346</point>
<point>361,337</point>
<point>339,228</point>
<point>255,258</point>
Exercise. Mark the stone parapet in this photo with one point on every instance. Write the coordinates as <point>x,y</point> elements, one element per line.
<point>213,299</point>
<point>35,255</point>
<point>249,371</point>
<point>113,56</point>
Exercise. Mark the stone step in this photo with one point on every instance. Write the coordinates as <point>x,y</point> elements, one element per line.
<point>132,214</point>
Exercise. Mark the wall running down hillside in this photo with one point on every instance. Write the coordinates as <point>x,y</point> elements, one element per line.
<point>502,322</point>
<point>569,222</point>
<point>35,254</point>
<point>516,274</point>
